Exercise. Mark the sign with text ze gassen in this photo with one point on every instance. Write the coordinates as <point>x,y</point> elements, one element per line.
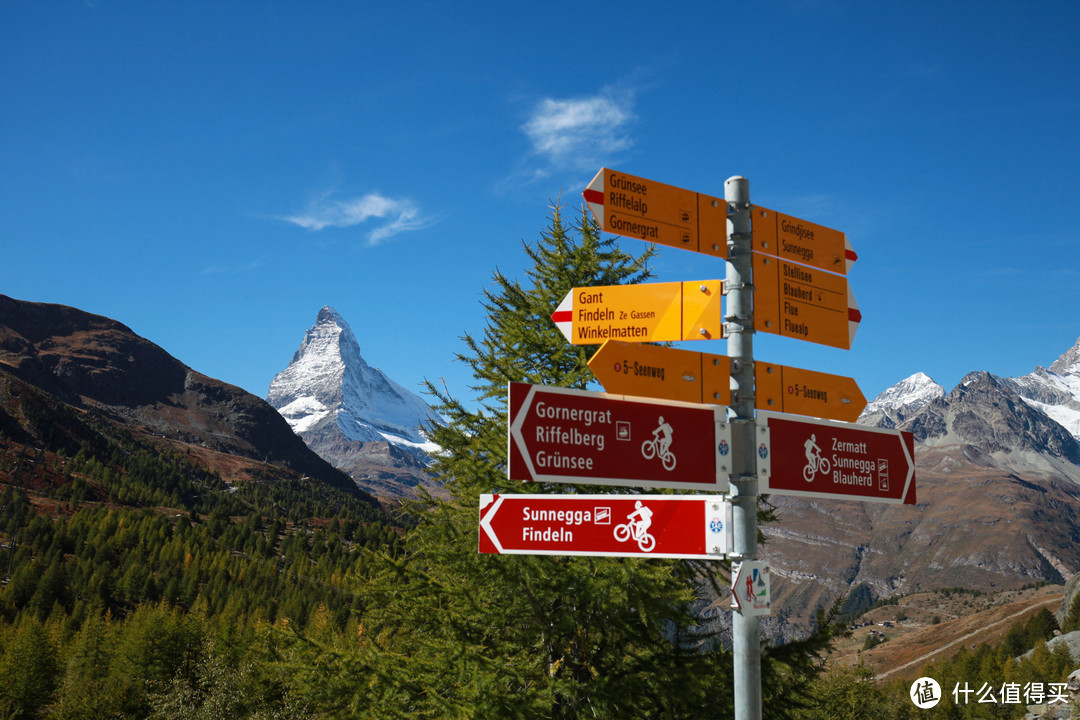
<point>658,526</point>
<point>841,461</point>
<point>576,436</point>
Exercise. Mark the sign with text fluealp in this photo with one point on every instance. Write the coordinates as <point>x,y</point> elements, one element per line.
<point>804,303</point>
<point>645,526</point>
<point>801,241</point>
<point>840,461</point>
<point>576,436</point>
<point>635,207</point>
<point>648,312</point>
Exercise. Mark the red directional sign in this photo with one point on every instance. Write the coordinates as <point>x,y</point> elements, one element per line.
<point>657,526</point>
<point>841,461</point>
<point>576,436</point>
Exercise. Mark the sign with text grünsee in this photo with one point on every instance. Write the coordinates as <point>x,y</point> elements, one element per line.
<point>576,436</point>
<point>635,207</point>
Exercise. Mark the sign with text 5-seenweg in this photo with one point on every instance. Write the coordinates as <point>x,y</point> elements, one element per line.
<point>576,436</point>
<point>658,526</point>
<point>842,461</point>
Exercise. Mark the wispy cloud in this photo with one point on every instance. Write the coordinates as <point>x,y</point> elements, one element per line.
<point>389,216</point>
<point>577,133</point>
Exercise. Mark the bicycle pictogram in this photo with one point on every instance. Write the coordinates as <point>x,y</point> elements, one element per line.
<point>660,446</point>
<point>637,528</point>
<point>815,461</point>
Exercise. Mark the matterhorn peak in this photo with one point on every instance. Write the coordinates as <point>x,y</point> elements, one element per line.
<point>329,388</point>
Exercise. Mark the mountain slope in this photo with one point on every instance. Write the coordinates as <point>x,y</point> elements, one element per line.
<point>98,364</point>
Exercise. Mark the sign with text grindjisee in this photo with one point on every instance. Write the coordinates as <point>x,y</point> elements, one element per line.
<point>576,436</point>
<point>801,241</point>
<point>840,461</point>
<point>648,312</point>
<point>657,526</point>
<point>635,207</point>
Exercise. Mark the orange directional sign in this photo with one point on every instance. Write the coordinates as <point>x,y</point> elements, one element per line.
<point>651,312</point>
<point>801,241</point>
<point>666,373</point>
<point>802,302</point>
<point>648,210</point>
<point>807,392</point>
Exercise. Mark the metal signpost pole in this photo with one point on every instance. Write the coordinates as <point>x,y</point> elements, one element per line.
<point>745,628</point>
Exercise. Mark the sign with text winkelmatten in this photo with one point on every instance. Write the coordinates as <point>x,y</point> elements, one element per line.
<point>576,436</point>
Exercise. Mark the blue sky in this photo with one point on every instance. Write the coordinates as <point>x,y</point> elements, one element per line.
<point>212,173</point>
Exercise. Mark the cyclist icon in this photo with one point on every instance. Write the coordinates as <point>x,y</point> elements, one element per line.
<point>637,527</point>
<point>815,461</point>
<point>660,445</point>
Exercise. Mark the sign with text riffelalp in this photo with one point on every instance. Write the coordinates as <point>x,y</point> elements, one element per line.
<point>576,436</point>
<point>636,207</point>
<point>835,460</point>
<point>645,526</point>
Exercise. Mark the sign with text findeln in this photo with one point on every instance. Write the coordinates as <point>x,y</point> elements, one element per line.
<point>635,207</point>
<point>576,436</point>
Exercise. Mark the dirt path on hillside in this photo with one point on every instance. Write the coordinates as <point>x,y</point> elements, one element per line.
<point>985,628</point>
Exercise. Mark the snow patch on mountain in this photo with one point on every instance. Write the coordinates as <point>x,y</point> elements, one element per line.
<point>899,402</point>
<point>1055,390</point>
<point>328,387</point>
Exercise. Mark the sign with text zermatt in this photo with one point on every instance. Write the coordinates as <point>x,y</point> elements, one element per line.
<point>633,206</point>
<point>840,461</point>
<point>576,436</point>
<point>658,526</point>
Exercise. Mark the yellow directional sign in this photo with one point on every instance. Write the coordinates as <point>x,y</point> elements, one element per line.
<point>666,373</point>
<point>803,302</point>
<point>801,241</point>
<point>807,392</point>
<point>652,312</point>
<point>663,373</point>
<point>648,210</point>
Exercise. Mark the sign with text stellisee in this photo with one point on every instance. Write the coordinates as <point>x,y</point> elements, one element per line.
<point>840,461</point>
<point>804,303</point>
<point>576,436</point>
<point>645,526</point>
<point>648,210</point>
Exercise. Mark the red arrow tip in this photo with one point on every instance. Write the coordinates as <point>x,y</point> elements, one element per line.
<point>853,315</point>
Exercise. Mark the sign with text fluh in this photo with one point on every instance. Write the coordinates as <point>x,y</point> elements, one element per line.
<point>576,436</point>
<point>841,461</point>
<point>674,374</point>
<point>658,526</point>
<point>635,207</point>
<point>648,312</point>
<point>804,303</point>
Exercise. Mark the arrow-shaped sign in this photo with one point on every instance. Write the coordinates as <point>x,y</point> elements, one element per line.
<point>801,241</point>
<point>805,303</point>
<point>648,210</point>
<point>647,526</point>
<point>685,375</point>
<point>650,312</point>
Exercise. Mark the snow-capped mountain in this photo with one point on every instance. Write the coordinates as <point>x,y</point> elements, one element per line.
<point>339,404</point>
<point>1055,390</point>
<point>901,401</point>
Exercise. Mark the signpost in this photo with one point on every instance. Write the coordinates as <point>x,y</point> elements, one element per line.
<point>685,375</point>
<point>650,312</point>
<point>804,303</point>
<point>648,210</point>
<point>838,461</point>
<point>801,241</point>
<point>575,436</point>
<point>645,526</point>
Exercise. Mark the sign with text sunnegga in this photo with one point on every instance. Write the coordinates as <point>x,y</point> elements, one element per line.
<point>576,436</point>
<point>841,461</point>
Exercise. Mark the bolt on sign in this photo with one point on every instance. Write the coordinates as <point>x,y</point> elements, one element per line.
<point>635,207</point>
<point>576,436</point>
<point>647,526</point>
<point>648,312</point>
